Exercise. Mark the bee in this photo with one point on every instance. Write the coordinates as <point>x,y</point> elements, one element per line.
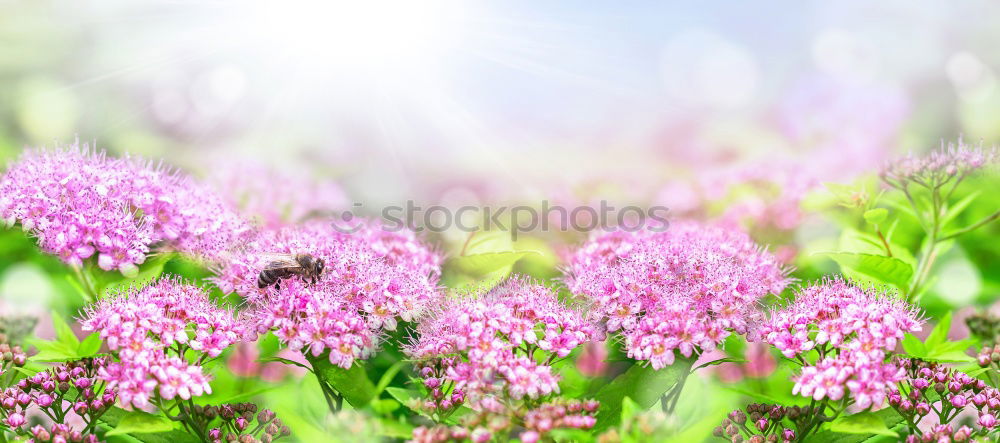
<point>285,266</point>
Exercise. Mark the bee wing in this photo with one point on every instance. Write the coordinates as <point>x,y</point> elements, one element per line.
<point>280,261</point>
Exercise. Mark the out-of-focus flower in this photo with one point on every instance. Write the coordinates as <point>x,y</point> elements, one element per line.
<point>686,288</point>
<point>149,329</point>
<point>275,198</point>
<point>81,203</point>
<point>592,362</point>
<point>941,166</point>
<point>820,117</point>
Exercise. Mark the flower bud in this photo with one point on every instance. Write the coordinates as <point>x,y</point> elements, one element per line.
<point>762,424</point>
<point>80,408</point>
<point>959,401</point>
<point>922,408</point>
<point>44,400</point>
<point>15,420</point>
<point>987,421</point>
<point>788,434</point>
<point>732,430</point>
<point>718,432</point>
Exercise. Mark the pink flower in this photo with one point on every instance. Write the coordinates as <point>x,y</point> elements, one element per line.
<point>143,326</point>
<point>684,289</point>
<point>843,316</point>
<point>484,343</point>
<point>82,204</point>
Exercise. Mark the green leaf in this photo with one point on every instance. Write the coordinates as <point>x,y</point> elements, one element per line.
<point>64,334</point>
<point>939,334</point>
<point>629,410</point>
<point>482,264</point>
<point>407,397</point>
<point>284,361</point>
<point>114,416</point>
<point>913,346</point>
<point>51,350</point>
<point>387,377</point>
<point>642,384</point>
<point>958,207</point>
<point>138,422</point>
<point>385,406</point>
<point>89,346</point>
<point>396,429</point>
<point>353,384</point>
<point>876,216</point>
<point>889,270</point>
<point>861,423</point>
<point>147,274</point>
<point>888,417</point>
<point>720,361</point>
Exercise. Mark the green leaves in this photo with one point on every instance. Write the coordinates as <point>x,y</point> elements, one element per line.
<point>487,257</point>
<point>642,384</point>
<point>876,216</point>
<point>353,384</point>
<point>66,346</point>
<point>937,347</point>
<point>482,264</point>
<point>138,422</point>
<point>144,427</point>
<point>889,270</point>
<point>865,422</point>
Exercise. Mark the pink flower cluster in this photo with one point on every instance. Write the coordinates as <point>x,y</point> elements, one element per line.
<point>683,288</point>
<point>485,343</point>
<point>150,330</point>
<point>938,167</point>
<point>853,329</point>
<point>81,203</point>
<point>371,280</point>
<point>482,348</point>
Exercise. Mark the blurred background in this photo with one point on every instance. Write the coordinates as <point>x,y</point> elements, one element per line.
<point>732,111</point>
<point>474,101</point>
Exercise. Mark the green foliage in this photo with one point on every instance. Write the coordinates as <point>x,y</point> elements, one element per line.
<point>138,422</point>
<point>864,426</point>
<point>643,385</point>
<point>66,346</point>
<point>134,424</point>
<point>486,259</point>
<point>888,270</point>
<point>937,347</point>
<point>861,423</point>
<point>353,384</point>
